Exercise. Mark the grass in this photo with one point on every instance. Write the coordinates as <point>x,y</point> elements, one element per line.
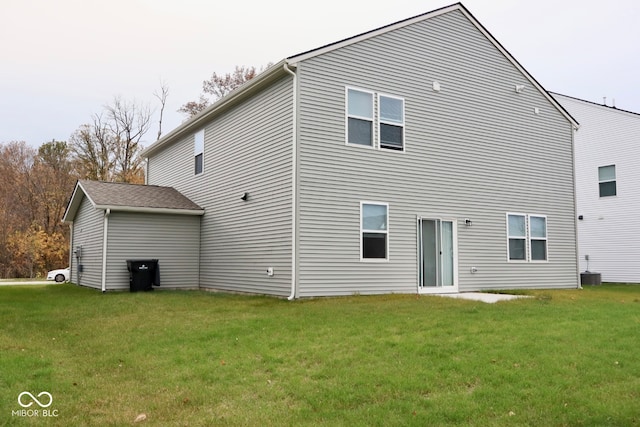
<point>563,358</point>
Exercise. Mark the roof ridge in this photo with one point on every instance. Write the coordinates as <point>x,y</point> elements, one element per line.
<point>418,17</point>
<point>597,104</point>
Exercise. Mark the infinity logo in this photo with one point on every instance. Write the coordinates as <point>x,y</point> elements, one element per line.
<point>42,405</point>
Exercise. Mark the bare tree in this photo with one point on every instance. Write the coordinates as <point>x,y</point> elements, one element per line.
<point>93,146</point>
<point>109,148</point>
<point>162,97</point>
<point>128,122</point>
<point>219,86</point>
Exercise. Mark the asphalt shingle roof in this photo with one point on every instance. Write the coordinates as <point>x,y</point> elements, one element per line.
<point>135,195</point>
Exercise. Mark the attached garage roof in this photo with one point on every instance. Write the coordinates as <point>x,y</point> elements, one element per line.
<point>117,196</point>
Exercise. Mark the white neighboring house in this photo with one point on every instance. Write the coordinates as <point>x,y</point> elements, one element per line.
<point>607,162</point>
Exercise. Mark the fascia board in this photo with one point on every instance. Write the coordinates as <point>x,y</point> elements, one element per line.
<point>138,209</point>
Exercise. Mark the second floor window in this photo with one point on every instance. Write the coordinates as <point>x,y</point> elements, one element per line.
<point>391,122</point>
<point>375,124</point>
<point>198,152</point>
<point>607,180</point>
<point>360,117</point>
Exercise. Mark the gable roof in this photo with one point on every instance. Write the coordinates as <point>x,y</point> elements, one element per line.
<point>281,69</point>
<point>595,104</point>
<point>117,196</point>
<point>293,60</point>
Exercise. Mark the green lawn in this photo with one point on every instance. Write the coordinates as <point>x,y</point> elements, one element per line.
<point>562,358</point>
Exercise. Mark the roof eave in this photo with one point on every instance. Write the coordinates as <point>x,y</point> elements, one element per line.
<point>146,209</point>
<point>198,121</point>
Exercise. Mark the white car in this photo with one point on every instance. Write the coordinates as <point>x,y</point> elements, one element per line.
<point>59,276</point>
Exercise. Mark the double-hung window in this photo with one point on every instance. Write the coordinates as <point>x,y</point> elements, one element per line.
<point>391,122</point>
<point>527,237</point>
<point>538,237</point>
<point>374,231</point>
<point>360,117</point>
<point>199,152</point>
<point>517,234</point>
<point>375,124</point>
<point>607,180</point>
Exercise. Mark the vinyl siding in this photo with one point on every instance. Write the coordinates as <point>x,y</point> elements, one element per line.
<point>173,240</point>
<point>88,233</point>
<point>610,230</point>
<point>473,150</point>
<point>246,149</point>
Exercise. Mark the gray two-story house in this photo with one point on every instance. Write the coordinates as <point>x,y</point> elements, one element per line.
<point>419,157</point>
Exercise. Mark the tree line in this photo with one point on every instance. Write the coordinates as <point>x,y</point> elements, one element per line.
<point>36,184</point>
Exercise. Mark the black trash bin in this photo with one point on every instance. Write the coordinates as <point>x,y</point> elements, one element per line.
<point>143,274</point>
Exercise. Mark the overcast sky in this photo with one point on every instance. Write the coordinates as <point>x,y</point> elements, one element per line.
<point>61,61</point>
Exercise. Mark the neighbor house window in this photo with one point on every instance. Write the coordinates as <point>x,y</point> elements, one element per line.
<point>374,231</point>
<point>527,237</point>
<point>607,180</point>
<point>391,122</point>
<point>359,117</point>
<point>199,151</point>
<point>364,115</point>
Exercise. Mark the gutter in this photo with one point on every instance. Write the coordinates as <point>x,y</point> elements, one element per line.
<point>71,251</point>
<point>104,249</point>
<point>294,184</point>
<point>151,210</point>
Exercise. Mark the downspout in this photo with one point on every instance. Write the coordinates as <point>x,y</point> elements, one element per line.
<point>294,185</point>
<point>70,251</point>
<point>575,202</point>
<point>104,249</point>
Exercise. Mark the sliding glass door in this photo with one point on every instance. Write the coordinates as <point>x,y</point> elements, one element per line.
<point>437,255</point>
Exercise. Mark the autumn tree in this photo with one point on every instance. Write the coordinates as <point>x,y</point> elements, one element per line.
<point>33,197</point>
<point>54,177</point>
<point>219,86</point>
<point>35,252</point>
<point>16,159</point>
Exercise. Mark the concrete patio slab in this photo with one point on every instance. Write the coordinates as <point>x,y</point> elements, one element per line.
<point>484,297</point>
